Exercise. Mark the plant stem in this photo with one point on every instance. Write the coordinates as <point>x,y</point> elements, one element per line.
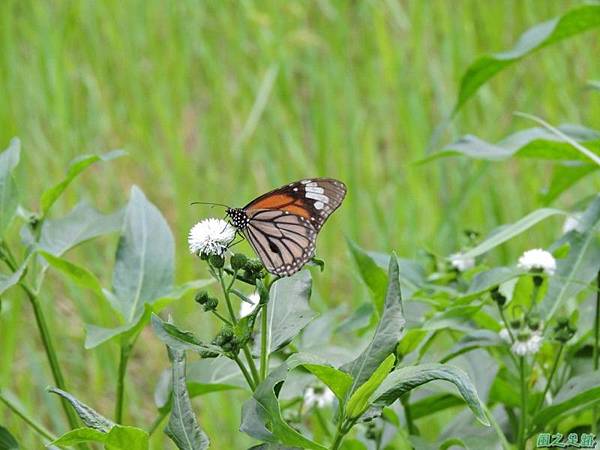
<point>596,353</point>
<point>550,377</point>
<point>157,422</point>
<point>44,330</point>
<point>123,360</point>
<point>405,400</point>
<point>39,428</point>
<point>522,439</point>
<point>226,295</point>
<point>255,374</point>
<point>264,351</point>
<point>247,375</point>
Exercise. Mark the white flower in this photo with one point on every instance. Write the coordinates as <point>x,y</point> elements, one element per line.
<point>247,308</point>
<point>571,222</point>
<point>504,335</point>
<point>528,346</point>
<point>320,396</point>
<point>460,263</point>
<point>538,259</point>
<point>210,237</point>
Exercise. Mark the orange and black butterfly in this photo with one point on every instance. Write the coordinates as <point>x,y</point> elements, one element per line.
<point>282,225</point>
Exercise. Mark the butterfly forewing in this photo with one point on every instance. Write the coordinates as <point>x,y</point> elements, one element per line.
<point>283,224</point>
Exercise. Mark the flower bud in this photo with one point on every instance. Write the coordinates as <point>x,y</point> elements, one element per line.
<point>211,304</point>
<point>201,297</point>
<point>238,261</point>
<point>533,322</point>
<point>498,297</point>
<point>514,324</point>
<point>538,280</point>
<point>208,354</point>
<point>217,261</point>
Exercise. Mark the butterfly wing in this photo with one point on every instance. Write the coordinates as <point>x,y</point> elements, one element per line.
<point>283,224</point>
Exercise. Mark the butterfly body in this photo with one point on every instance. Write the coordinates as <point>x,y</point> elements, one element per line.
<point>282,225</point>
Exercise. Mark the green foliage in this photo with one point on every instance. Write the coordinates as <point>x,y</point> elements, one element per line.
<point>7,441</point>
<point>9,199</point>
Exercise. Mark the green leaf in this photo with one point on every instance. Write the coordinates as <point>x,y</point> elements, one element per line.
<point>374,276</point>
<point>90,418</point>
<point>7,441</point>
<point>76,166</point>
<point>433,404</point>
<point>579,393</point>
<point>359,401</point>
<point>507,232</point>
<point>214,374</point>
<point>123,437</point>
<point>264,408</point>
<point>145,257</point>
<point>82,223</point>
<point>485,281</point>
<point>573,22</point>
<point>359,319</point>
<point>288,310</point>
<point>8,188</point>
<point>532,143</point>
<point>339,382</point>
<point>79,275</point>
<point>405,379</point>
<point>8,281</point>
<point>183,428</point>
<point>473,341</point>
<point>79,436</point>
<point>178,339</point>
<point>387,334</point>
<point>563,177</point>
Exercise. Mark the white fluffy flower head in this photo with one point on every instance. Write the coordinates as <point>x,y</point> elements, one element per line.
<point>538,259</point>
<point>320,397</point>
<point>460,263</point>
<point>528,346</point>
<point>247,308</point>
<point>210,237</point>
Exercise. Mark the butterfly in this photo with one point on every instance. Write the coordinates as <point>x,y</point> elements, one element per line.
<point>282,225</point>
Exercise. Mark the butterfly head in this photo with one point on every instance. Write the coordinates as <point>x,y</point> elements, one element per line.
<point>238,217</point>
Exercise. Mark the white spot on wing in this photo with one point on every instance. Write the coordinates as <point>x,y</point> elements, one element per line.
<point>318,205</point>
<point>320,197</point>
<point>315,189</point>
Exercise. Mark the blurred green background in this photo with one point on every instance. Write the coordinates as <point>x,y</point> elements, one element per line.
<point>222,100</point>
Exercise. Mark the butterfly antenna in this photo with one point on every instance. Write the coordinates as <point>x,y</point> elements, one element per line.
<point>209,203</point>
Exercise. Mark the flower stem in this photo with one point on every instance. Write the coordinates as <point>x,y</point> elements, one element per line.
<point>596,352</point>
<point>226,295</point>
<point>550,377</point>
<point>251,364</point>
<point>247,375</point>
<point>38,427</point>
<point>161,416</point>
<point>123,360</point>
<point>264,351</point>
<point>522,438</point>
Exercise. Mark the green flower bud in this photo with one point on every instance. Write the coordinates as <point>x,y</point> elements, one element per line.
<point>533,322</point>
<point>498,297</point>
<point>216,261</point>
<point>208,354</point>
<point>202,297</point>
<point>238,261</point>
<point>514,324</point>
<point>562,321</point>
<point>211,304</point>
<point>538,280</point>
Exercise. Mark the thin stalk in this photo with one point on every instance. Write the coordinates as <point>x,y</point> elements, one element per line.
<point>596,353</point>
<point>157,422</point>
<point>247,375</point>
<point>522,438</point>
<point>35,425</point>
<point>227,297</point>
<point>221,317</point>
<point>550,377</point>
<point>123,361</point>
<point>251,364</point>
<point>405,400</point>
<point>264,351</point>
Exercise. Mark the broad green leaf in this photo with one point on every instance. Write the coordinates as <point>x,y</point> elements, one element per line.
<point>374,277</point>
<point>7,441</point>
<point>270,446</point>
<point>563,177</point>
<point>578,393</point>
<point>455,317</point>
<point>82,223</point>
<point>405,379</point>
<point>79,436</point>
<point>183,428</point>
<point>532,143</point>
<point>473,341</point>
<point>79,275</point>
<point>178,339</point>
<point>76,166</point>
<point>264,408</point>
<point>507,232</point>
<point>574,273</point>
<point>387,334</point>
<point>288,310</point>
<point>95,335</point>
<point>8,188</point>
<point>359,319</point>
<point>123,437</point>
<point>433,404</point>
<point>90,418</point>
<point>359,401</point>
<point>412,275</point>
<point>213,374</point>
<point>573,22</point>
<point>335,379</point>
<point>145,257</point>
<point>485,281</point>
